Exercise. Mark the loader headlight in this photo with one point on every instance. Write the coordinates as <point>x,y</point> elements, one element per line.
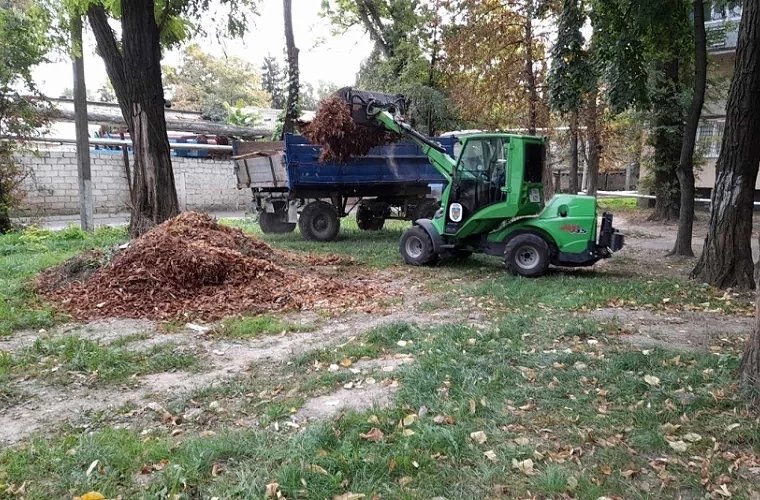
<point>455,212</point>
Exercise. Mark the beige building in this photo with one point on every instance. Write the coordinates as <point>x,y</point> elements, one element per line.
<point>722,29</point>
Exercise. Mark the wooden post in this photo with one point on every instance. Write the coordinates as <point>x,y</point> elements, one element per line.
<point>84,174</point>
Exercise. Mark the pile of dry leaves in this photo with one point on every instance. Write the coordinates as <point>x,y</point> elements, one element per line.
<point>340,137</point>
<point>191,267</point>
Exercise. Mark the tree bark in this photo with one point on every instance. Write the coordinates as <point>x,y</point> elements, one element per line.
<point>135,73</point>
<point>291,105</point>
<point>667,138</point>
<point>5,219</point>
<point>726,260</point>
<point>573,188</point>
<point>594,144</point>
<point>685,170</point>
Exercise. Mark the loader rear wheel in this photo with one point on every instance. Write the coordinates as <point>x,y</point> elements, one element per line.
<point>417,248</point>
<point>527,255</point>
<point>319,222</point>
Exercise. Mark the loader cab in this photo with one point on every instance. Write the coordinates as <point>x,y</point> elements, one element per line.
<point>497,177</point>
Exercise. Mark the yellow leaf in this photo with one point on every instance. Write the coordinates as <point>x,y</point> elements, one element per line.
<point>679,446</point>
<point>525,466</point>
<point>92,495</point>
<point>491,455</point>
<point>346,362</point>
<point>408,432</point>
<point>349,496</point>
<point>692,437</point>
<point>409,420</point>
<point>652,380</point>
<point>316,468</point>
<point>521,441</point>
<point>271,490</point>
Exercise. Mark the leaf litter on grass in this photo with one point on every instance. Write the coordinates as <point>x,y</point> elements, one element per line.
<point>192,267</point>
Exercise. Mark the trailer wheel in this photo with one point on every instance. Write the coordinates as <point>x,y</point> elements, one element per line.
<point>367,220</point>
<point>426,209</point>
<point>417,248</point>
<point>319,222</point>
<point>527,255</point>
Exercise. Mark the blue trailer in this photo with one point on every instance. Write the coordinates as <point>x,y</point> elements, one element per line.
<point>290,186</point>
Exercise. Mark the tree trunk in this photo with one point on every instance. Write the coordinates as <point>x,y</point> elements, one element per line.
<point>685,170</point>
<point>667,138</point>
<point>594,144</point>
<point>750,365</point>
<point>726,260</point>
<point>135,73</point>
<point>5,218</point>
<point>574,153</point>
<point>291,106</point>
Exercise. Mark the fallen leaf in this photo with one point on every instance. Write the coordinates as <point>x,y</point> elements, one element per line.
<point>373,420</point>
<point>525,466</point>
<point>401,343</point>
<point>404,481</point>
<point>652,380</point>
<point>92,495</point>
<point>271,490</point>
<point>92,467</point>
<point>216,469</point>
<point>606,470</point>
<point>349,496</point>
<point>409,420</point>
<point>439,419</point>
<point>345,362</point>
<point>316,468</point>
<point>479,437</point>
<point>491,455</point>
<point>723,491</point>
<point>161,465</point>
<point>473,406</point>
<point>670,429</point>
<point>408,432</point>
<point>374,434</point>
<point>521,441</point>
<point>679,446</point>
<point>732,427</point>
<point>692,437</point>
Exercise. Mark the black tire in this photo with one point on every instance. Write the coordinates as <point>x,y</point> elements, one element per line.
<point>426,209</point>
<point>527,255</point>
<point>368,220</point>
<point>319,222</point>
<point>417,248</point>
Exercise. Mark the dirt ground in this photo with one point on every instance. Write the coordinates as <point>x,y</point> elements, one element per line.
<point>48,405</point>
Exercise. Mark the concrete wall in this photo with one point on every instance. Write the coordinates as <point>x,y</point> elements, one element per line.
<point>51,186</point>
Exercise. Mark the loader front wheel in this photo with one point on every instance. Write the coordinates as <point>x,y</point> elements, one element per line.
<point>417,248</point>
<point>527,255</point>
<point>319,222</point>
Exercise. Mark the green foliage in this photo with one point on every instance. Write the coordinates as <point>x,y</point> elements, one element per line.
<point>571,75</point>
<point>273,81</point>
<point>205,83</point>
<point>237,115</point>
<point>24,42</point>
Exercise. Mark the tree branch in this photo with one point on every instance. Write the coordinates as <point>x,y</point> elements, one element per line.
<point>110,52</point>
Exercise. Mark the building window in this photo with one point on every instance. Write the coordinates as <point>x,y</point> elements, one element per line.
<point>730,10</point>
<point>709,138</point>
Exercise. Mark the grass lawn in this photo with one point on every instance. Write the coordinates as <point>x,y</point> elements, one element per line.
<point>536,399</point>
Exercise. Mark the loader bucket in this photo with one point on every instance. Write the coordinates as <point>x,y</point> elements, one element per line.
<point>363,103</point>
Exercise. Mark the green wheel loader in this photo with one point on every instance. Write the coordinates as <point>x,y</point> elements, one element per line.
<point>493,201</point>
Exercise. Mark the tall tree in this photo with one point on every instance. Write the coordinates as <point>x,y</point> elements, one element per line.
<point>273,81</point>
<point>726,259</point>
<point>291,104</point>
<point>133,65</point>
<point>685,170</point>
<point>644,47</point>
<point>202,82</point>
<point>570,76</point>
<point>23,45</point>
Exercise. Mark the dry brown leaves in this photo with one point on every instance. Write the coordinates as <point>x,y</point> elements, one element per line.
<point>340,137</point>
<point>191,267</point>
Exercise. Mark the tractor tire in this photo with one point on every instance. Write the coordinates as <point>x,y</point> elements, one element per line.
<point>319,222</point>
<point>527,255</point>
<point>426,209</point>
<point>367,220</point>
<point>417,248</point>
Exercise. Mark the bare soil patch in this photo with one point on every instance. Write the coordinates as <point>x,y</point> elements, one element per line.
<point>356,399</point>
<point>691,331</point>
